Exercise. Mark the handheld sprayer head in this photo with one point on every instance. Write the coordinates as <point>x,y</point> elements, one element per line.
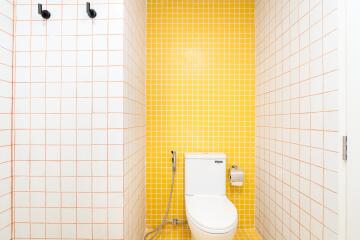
<point>173,160</point>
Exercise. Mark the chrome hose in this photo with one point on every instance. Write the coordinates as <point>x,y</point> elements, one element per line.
<point>157,230</point>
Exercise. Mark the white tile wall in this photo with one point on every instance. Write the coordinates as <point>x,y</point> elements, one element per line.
<point>296,119</point>
<point>6,47</point>
<point>134,119</point>
<point>79,120</point>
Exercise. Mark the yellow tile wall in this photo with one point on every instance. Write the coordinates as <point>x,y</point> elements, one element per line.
<point>200,97</point>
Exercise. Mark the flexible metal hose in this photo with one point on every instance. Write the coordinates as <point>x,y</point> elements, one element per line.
<point>157,230</point>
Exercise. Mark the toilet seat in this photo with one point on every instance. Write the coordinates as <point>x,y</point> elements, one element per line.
<point>214,214</point>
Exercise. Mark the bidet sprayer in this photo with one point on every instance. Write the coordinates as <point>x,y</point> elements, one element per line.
<point>173,160</point>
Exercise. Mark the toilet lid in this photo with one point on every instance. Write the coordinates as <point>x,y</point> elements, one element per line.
<point>212,213</point>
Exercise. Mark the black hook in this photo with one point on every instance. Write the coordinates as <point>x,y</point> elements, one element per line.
<point>44,13</point>
<point>91,12</point>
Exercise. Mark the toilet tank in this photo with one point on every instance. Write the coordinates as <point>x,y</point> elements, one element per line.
<point>205,173</point>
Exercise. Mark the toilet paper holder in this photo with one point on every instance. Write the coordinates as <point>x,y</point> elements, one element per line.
<point>236,176</point>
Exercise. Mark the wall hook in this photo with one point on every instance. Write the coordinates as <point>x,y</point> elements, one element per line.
<point>91,12</point>
<point>44,13</point>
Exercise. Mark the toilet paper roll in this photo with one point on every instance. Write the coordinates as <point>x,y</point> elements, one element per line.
<point>236,177</point>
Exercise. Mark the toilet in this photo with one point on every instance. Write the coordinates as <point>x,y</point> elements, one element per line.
<point>210,214</point>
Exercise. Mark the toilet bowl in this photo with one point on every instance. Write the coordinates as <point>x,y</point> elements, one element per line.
<point>211,217</point>
<point>210,214</point>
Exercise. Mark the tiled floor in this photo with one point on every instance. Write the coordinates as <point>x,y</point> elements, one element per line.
<point>247,234</point>
<point>171,233</point>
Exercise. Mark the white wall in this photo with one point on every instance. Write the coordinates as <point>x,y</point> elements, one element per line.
<point>6,46</point>
<point>73,140</point>
<point>134,119</point>
<point>296,119</point>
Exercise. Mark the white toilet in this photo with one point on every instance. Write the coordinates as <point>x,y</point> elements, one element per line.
<point>210,214</point>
